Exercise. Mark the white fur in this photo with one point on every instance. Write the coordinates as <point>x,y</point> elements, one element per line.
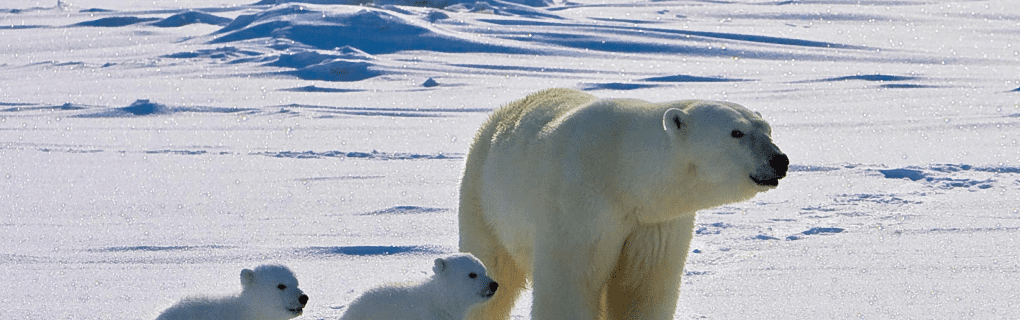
<point>446,295</point>
<point>261,299</point>
<point>594,200</point>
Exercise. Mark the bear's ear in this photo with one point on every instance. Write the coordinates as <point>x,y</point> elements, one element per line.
<point>247,278</point>
<point>440,266</point>
<point>675,120</point>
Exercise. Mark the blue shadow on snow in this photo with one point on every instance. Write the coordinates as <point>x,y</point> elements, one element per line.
<point>191,17</point>
<point>113,22</point>
<point>373,250</point>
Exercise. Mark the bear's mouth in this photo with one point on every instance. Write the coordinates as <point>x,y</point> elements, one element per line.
<point>769,182</point>
<point>297,311</point>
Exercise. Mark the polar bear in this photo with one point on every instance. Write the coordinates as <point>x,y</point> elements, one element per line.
<point>460,281</point>
<point>594,200</point>
<point>270,292</point>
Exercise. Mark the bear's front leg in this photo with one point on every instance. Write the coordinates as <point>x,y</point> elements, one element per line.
<point>646,281</point>
<point>567,284</point>
<point>571,269</point>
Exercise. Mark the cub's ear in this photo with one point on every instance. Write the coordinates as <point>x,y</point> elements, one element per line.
<point>675,120</point>
<point>440,266</point>
<point>247,278</point>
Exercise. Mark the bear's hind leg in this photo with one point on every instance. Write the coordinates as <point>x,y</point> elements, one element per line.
<point>645,283</point>
<point>512,281</point>
<point>478,238</point>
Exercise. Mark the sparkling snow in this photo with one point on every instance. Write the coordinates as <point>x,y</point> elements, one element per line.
<point>151,150</point>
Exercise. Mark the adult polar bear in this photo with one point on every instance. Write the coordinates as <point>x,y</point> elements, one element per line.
<point>594,199</point>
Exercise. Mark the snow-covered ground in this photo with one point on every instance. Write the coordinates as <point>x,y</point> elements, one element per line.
<point>151,150</point>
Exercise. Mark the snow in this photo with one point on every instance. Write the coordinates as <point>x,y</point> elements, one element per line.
<point>151,150</point>
<point>190,17</point>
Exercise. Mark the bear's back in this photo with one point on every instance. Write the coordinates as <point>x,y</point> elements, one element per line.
<point>204,308</point>
<point>526,117</point>
<point>396,301</point>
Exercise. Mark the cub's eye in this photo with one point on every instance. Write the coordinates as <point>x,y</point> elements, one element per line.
<point>282,287</point>
<point>737,134</point>
<point>472,275</point>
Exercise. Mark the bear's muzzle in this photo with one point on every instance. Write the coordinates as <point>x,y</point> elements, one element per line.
<point>778,165</point>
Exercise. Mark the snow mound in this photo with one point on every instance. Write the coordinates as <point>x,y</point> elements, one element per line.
<point>368,30</point>
<point>313,88</point>
<point>664,79</point>
<point>401,210</point>
<point>815,231</point>
<point>945,176</point>
<point>178,152</point>
<point>191,17</point>
<point>20,107</point>
<point>94,10</point>
<point>348,52</point>
<point>764,237</point>
<point>305,59</point>
<point>689,78</point>
<point>144,107</point>
<point>374,155</point>
<point>907,86</point>
<point>903,173</point>
<point>620,86</point>
<point>157,248</point>
<point>871,77</point>
<point>820,230</point>
<point>337,70</point>
<point>713,228</point>
<point>409,3</point>
<point>59,7</point>
<point>811,168</point>
<point>113,22</point>
<point>302,59</point>
<point>375,250</point>
<point>430,83</point>
<point>231,54</point>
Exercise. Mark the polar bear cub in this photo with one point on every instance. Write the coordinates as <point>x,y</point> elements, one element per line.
<point>459,282</point>
<point>270,292</point>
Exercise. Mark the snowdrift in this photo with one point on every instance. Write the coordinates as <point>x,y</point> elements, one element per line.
<point>415,3</point>
<point>370,30</point>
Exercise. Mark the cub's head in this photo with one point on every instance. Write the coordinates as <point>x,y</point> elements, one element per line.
<point>727,146</point>
<point>463,277</point>
<point>272,292</point>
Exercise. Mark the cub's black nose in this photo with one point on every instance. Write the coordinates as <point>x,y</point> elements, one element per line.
<point>493,286</point>
<point>303,299</point>
<point>780,163</point>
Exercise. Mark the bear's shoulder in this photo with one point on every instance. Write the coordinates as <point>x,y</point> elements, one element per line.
<point>203,307</point>
<point>397,291</point>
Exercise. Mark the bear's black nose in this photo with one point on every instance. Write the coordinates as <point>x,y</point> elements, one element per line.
<point>493,285</point>
<point>303,299</point>
<point>780,163</point>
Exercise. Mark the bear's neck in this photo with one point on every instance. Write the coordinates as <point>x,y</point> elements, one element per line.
<point>252,308</point>
<point>443,302</point>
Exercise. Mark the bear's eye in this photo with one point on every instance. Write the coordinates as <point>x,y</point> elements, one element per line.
<point>282,287</point>
<point>472,275</point>
<point>737,134</point>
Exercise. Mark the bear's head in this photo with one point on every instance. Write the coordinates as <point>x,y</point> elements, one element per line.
<point>464,280</point>
<point>727,146</point>
<point>272,292</point>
